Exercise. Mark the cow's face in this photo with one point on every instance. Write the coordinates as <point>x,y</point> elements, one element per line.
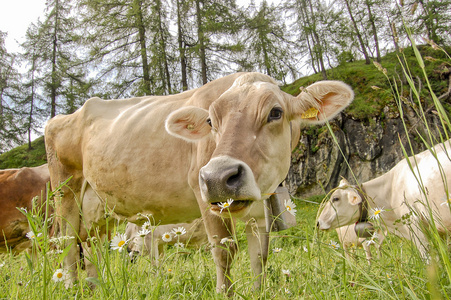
<point>341,209</point>
<point>250,127</point>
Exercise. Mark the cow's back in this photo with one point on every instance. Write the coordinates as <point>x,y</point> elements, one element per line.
<point>18,188</point>
<point>122,149</point>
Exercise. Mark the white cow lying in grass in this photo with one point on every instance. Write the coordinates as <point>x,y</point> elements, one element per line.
<point>403,200</point>
<point>348,239</point>
<point>190,235</point>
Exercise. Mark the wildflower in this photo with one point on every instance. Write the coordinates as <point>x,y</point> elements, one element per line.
<point>226,240</point>
<point>178,231</point>
<point>2,265</point>
<point>119,242</point>
<point>276,250</point>
<point>290,207</point>
<point>179,245</point>
<point>143,232</point>
<point>31,235</point>
<point>224,205</point>
<point>286,272</point>
<point>170,270</point>
<point>166,237</point>
<point>60,275</point>
<point>147,226</point>
<point>287,291</point>
<point>305,249</point>
<point>334,245</point>
<point>370,242</point>
<point>447,202</point>
<point>375,213</point>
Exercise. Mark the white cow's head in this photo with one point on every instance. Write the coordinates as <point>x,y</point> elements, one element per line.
<point>342,208</point>
<point>248,132</point>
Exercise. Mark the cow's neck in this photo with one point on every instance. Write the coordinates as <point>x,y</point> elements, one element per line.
<point>379,193</point>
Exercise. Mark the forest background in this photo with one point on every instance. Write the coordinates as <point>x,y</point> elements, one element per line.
<point>118,49</point>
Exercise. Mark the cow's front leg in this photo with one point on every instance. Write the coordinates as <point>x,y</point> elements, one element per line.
<point>258,244</point>
<point>217,229</point>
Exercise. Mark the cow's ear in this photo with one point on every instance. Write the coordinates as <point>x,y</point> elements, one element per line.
<point>354,198</point>
<point>188,123</point>
<point>343,183</point>
<point>320,101</point>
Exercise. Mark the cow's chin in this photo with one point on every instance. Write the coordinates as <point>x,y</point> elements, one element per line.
<point>237,209</point>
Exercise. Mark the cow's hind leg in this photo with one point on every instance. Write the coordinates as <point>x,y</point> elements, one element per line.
<point>258,244</point>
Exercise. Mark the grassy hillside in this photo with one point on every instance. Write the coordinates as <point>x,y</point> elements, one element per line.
<point>22,157</point>
<point>371,87</point>
<point>372,93</point>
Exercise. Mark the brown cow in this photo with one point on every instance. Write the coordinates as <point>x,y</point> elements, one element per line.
<point>183,156</point>
<point>17,189</point>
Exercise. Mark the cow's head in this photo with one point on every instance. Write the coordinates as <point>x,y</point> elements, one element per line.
<point>250,127</point>
<point>343,207</point>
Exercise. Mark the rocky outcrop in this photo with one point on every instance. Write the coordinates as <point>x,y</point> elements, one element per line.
<point>359,151</point>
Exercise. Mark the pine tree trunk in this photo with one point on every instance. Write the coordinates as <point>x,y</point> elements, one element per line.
<point>201,37</point>
<point>163,48</point>
<point>374,29</point>
<point>54,79</point>
<point>146,86</point>
<point>181,48</point>
<point>357,32</point>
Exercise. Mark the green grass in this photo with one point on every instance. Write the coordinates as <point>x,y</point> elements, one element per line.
<point>317,271</point>
<point>22,157</point>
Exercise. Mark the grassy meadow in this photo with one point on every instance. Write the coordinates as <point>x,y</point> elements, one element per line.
<point>303,263</point>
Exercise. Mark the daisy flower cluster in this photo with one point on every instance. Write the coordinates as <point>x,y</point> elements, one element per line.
<point>175,233</point>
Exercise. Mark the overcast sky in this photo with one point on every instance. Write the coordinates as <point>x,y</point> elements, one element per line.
<point>16,16</point>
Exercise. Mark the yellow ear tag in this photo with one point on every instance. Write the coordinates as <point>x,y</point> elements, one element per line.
<point>310,113</point>
<point>190,126</point>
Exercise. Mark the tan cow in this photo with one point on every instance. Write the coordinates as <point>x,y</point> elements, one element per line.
<point>18,187</point>
<point>152,244</point>
<point>398,198</point>
<point>183,156</point>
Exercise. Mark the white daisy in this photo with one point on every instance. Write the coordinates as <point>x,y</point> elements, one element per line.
<point>178,231</point>
<point>286,272</point>
<point>276,250</point>
<point>166,237</point>
<point>179,245</point>
<point>370,242</point>
<point>376,213</point>
<point>119,242</point>
<point>447,202</point>
<point>305,249</point>
<point>290,206</point>
<point>334,245</point>
<point>147,226</point>
<point>143,232</point>
<point>60,275</point>
<point>226,240</point>
<point>31,235</point>
<point>224,205</point>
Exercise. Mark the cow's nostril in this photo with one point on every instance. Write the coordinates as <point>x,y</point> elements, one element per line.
<point>234,179</point>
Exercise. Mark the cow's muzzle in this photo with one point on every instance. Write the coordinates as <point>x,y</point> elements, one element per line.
<point>224,179</point>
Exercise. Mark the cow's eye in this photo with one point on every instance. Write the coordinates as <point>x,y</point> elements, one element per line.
<point>275,114</point>
<point>209,122</point>
<point>335,199</point>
